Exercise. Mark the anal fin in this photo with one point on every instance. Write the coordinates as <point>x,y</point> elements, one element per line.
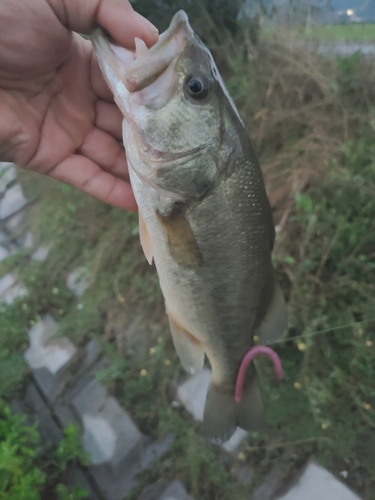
<point>188,347</point>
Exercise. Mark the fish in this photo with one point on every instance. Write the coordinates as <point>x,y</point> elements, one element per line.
<point>204,216</point>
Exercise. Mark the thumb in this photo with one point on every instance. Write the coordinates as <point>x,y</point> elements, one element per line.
<point>117,17</point>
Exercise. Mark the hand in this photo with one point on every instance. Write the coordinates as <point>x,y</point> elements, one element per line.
<point>57,115</point>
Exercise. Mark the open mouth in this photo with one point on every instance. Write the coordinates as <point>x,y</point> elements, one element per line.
<point>140,67</point>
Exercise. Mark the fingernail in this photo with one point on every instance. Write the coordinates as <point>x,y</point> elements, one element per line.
<point>146,23</point>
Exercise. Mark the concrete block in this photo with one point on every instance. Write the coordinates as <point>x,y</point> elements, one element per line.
<point>110,436</point>
<point>78,280</point>
<point>46,351</point>
<point>6,282</point>
<point>15,222</point>
<point>243,473</point>
<point>8,173</point>
<point>41,253</point>
<point>271,484</point>
<point>163,491</point>
<point>16,292</point>
<point>11,288</point>
<point>193,393</point>
<point>27,240</point>
<point>4,253</point>
<point>175,491</point>
<point>75,476</point>
<point>317,483</point>
<point>117,486</point>
<point>49,431</point>
<point>12,201</point>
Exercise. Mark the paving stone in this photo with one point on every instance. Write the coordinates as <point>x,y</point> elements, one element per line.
<point>11,288</point>
<point>37,412</point>
<point>75,476</point>
<point>41,253</point>
<point>6,282</point>
<point>12,201</point>
<point>243,473</point>
<point>14,293</point>
<point>15,222</point>
<point>78,280</point>
<point>67,389</point>
<point>192,395</point>
<point>316,483</point>
<point>8,173</point>
<point>28,240</point>
<point>4,238</point>
<point>272,483</point>
<point>110,436</point>
<point>46,351</point>
<point>163,491</point>
<point>4,253</point>
<point>117,486</point>
<point>175,491</point>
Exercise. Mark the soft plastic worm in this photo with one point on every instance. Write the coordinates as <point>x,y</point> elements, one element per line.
<point>249,356</point>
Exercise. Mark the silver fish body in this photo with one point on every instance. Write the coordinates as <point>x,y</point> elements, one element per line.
<point>204,215</point>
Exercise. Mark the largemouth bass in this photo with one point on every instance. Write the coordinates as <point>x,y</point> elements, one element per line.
<point>204,216</point>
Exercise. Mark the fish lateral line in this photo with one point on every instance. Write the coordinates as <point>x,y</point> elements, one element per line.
<point>246,360</point>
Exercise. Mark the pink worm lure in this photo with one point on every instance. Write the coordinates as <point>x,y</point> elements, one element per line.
<point>249,356</point>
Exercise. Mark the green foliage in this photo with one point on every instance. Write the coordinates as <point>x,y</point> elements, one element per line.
<point>24,465</point>
<point>70,448</point>
<point>20,478</point>
<point>64,494</point>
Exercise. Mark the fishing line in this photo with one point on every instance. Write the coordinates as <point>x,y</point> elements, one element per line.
<point>326,330</point>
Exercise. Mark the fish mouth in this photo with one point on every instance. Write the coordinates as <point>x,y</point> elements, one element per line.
<point>142,75</point>
<point>139,68</point>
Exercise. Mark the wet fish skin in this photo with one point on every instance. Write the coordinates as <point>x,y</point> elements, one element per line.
<point>204,214</point>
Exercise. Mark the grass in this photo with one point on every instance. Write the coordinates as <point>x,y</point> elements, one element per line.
<point>312,123</point>
<point>356,32</point>
<point>351,32</point>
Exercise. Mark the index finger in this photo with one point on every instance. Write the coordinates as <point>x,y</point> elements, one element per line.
<point>115,16</point>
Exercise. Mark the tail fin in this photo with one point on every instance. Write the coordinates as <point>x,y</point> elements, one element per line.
<point>222,414</point>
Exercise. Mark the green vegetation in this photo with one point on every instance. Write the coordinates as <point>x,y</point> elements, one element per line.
<point>356,32</point>
<point>26,469</point>
<point>312,123</point>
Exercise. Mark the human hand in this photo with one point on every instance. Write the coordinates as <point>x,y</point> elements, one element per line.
<point>57,115</point>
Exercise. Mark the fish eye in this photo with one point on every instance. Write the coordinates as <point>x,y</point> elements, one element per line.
<point>197,86</point>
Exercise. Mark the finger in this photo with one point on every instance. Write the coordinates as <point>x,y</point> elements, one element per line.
<point>116,16</point>
<point>105,151</point>
<point>109,119</point>
<point>86,175</point>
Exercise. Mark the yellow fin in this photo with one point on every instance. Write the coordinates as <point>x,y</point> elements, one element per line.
<point>189,348</point>
<point>145,239</point>
<point>181,239</point>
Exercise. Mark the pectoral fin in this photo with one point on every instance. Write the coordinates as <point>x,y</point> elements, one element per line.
<point>275,322</point>
<point>145,239</point>
<point>181,239</point>
<point>188,347</point>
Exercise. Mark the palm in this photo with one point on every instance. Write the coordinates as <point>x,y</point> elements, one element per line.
<point>59,114</point>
